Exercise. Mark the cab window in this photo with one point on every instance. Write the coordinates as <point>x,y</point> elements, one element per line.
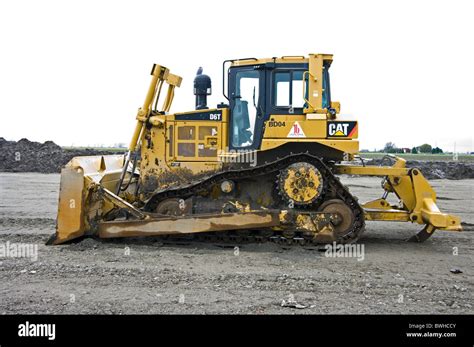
<point>288,89</point>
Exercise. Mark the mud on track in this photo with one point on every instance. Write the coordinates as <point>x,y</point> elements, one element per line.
<point>96,276</point>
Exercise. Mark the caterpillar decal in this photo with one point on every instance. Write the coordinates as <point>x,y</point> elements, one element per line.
<point>342,129</point>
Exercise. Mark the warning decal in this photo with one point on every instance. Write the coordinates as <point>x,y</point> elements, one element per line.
<point>296,130</point>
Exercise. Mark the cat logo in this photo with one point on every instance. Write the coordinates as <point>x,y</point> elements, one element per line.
<point>296,130</point>
<point>342,129</point>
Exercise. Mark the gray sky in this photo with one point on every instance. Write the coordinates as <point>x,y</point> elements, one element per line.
<point>75,72</point>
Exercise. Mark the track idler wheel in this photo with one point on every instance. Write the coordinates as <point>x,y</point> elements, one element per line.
<point>343,216</point>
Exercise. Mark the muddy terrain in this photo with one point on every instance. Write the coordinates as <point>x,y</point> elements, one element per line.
<point>149,276</point>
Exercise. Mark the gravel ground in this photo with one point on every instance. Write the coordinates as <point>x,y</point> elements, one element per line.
<point>148,276</point>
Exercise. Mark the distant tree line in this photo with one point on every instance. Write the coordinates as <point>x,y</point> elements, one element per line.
<point>390,147</point>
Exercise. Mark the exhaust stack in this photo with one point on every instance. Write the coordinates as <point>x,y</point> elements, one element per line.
<point>202,88</point>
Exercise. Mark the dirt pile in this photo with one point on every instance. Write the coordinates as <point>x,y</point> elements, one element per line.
<point>47,157</point>
<point>453,170</point>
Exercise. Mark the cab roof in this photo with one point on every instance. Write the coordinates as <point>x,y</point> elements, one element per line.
<point>295,59</point>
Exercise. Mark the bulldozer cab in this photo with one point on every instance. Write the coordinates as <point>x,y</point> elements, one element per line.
<point>258,89</point>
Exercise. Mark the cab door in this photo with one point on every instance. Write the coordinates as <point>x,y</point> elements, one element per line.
<point>247,101</point>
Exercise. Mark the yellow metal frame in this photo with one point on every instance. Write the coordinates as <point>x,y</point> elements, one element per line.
<point>417,197</point>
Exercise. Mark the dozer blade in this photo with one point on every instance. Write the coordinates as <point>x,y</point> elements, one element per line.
<point>69,223</point>
<point>78,179</point>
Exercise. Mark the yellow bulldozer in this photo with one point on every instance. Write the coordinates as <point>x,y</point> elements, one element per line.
<point>262,165</point>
